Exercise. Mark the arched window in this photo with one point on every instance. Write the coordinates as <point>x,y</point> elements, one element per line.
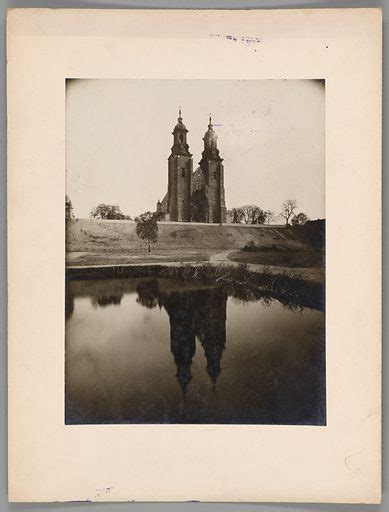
<point>183,172</point>
<point>181,138</point>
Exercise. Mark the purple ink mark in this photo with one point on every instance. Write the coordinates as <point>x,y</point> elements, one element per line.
<point>249,40</point>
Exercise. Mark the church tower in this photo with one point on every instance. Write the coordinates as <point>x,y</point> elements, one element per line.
<point>180,165</point>
<point>213,171</point>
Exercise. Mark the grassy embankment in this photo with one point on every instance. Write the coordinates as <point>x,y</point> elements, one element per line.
<point>93,242</point>
<point>275,256</point>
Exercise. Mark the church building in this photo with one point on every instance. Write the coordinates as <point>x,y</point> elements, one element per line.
<point>194,196</point>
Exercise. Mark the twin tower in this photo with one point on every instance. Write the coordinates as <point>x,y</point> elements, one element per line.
<point>194,196</point>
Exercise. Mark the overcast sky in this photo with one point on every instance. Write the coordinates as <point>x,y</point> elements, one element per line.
<point>271,136</point>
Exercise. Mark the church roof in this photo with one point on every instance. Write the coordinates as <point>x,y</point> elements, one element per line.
<point>210,144</point>
<point>210,135</point>
<point>197,173</point>
<point>180,125</point>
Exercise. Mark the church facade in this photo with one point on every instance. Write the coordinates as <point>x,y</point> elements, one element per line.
<point>194,196</point>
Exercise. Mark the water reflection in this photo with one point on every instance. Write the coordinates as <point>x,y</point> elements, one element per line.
<point>201,314</point>
<point>197,318</point>
<point>107,300</point>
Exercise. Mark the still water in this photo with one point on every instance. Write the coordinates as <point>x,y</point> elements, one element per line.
<point>163,351</point>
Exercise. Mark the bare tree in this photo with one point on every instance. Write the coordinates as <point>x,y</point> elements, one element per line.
<point>288,209</point>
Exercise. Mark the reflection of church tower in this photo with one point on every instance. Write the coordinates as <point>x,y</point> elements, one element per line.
<point>180,166</point>
<point>182,339</point>
<point>183,352</point>
<point>211,329</point>
<point>195,313</point>
<point>212,168</point>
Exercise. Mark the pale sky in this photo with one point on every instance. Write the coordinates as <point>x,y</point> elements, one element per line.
<point>271,136</point>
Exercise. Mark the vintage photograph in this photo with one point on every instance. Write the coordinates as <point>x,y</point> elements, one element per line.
<point>195,252</point>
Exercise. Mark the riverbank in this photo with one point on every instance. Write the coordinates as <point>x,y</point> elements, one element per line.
<point>245,283</point>
<point>114,244</point>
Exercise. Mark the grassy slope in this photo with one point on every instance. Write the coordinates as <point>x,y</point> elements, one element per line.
<point>119,236</point>
<point>93,242</point>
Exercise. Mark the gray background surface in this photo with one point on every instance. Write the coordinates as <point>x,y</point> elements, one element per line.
<point>165,507</point>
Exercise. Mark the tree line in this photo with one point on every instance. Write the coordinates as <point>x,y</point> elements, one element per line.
<point>247,214</point>
<point>147,223</point>
<point>101,211</point>
<point>108,212</point>
<point>253,214</point>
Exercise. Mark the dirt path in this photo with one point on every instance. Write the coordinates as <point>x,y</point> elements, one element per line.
<point>221,257</point>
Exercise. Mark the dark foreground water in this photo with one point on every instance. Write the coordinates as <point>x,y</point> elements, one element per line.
<point>163,351</point>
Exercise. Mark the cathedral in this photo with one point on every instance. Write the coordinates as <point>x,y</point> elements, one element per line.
<point>194,196</point>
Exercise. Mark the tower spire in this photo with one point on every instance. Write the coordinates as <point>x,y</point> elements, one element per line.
<point>210,141</point>
<point>180,169</point>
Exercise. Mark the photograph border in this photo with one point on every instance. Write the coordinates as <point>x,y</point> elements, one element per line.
<point>366,474</point>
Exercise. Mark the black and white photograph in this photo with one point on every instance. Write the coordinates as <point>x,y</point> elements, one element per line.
<point>195,252</point>
<point>193,286</point>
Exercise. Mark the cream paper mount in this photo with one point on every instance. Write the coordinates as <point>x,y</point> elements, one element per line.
<point>51,461</point>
